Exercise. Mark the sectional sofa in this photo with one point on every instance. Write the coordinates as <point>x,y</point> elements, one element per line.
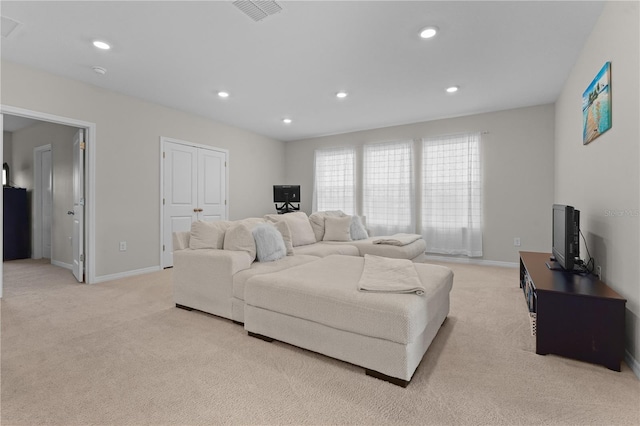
<point>302,289</point>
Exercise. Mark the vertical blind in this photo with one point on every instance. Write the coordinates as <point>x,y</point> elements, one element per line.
<point>388,189</point>
<point>334,184</point>
<point>451,211</point>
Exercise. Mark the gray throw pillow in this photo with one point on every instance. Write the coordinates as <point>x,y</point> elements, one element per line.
<point>358,232</point>
<point>269,243</point>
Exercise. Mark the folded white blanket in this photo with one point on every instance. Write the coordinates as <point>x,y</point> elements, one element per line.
<point>383,274</point>
<point>398,239</point>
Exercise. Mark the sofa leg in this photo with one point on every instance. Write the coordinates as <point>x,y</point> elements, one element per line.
<point>392,380</point>
<point>261,337</point>
<point>186,308</point>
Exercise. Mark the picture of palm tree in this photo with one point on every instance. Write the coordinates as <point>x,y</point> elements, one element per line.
<point>596,106</point>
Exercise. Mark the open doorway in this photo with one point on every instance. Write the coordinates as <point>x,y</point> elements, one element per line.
<point>28,162</point>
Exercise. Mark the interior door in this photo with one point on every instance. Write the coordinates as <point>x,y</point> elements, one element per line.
<point>47,203</point>
<point>211,185</point>
<point>194,188</point>
<point>180,200</point>
<point>77,240</point>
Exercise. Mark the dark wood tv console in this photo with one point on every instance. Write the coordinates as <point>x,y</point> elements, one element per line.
<point>577,315</point>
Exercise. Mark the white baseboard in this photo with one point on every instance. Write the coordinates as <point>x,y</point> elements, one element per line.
<point>472,261</point>
<point>126,274</point>
<point>62,264</point>
<point>632,363</point>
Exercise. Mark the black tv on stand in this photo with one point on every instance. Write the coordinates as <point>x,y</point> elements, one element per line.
<point>286,194</point>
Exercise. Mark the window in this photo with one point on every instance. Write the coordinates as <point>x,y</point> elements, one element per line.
<point>452,195</point>
<point>388,193</point>
<point>334,185</point>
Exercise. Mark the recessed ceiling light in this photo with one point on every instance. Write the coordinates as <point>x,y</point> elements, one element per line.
<point>223,94</point>
<point>429,32</point>
<point>99,70</point>
<point>101,45</point>
<point>342,94</point>
<point>286,120</point>
<point>452,89</point>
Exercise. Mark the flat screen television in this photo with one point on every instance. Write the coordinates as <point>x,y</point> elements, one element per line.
<point>566,236</point>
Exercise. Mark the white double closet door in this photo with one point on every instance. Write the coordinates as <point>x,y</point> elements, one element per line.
<point>194,188</point>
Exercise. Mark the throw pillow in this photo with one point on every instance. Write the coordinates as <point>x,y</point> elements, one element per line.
<point>286,236</point>
<point>317,221</point>
<point>357,230</point>
<point>337,228</point>
<point>301,232</point>
<point>239,237</point>
<point>269,243</point>
<point>207,235</point>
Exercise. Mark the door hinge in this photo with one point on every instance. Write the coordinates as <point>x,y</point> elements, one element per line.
<point>163,247</point>
<point>82,146</point>
<point>82,257</point>
<point>164,154</point>
<point>225,202</point>
<point>225,164</point>
<point>163,201</point>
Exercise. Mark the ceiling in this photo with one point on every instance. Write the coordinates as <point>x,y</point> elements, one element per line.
<point>502,55</point>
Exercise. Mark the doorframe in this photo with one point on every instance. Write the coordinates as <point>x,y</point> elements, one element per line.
<point>163,140</point>
<point>37,196</point>
<point>89,179</point>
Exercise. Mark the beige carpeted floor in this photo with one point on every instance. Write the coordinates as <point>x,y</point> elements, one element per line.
<point>120,353</point>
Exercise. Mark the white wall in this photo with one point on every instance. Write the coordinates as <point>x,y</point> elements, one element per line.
<point>128,133</point>
<point>61,140</point>
<point>603,177</point>
<point>518,171</point>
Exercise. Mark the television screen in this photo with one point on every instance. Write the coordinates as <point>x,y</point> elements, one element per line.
<point>566,226</point>
<point>286,193</point>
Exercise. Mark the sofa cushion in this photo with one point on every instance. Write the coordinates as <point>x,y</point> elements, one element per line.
<point>207,235</point>
<point>323,249</point>
<point>326,292</point>
<point>241,277</point>
<point>317,221</point>
<point>269,243</point>
<point>357,230</point>
<point>299,225</point>
<point>337,228</point>
<point>410,251</point>
<point>240,237</point>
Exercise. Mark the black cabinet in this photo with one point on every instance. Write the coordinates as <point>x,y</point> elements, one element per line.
<point>16,236</point>
<point>577,316</point>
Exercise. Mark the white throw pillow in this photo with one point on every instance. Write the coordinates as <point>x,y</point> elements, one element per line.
<point>299,225</point>
<point>269,243</point>
<point>317,221</point>
<point>337,228</point>
<point>207,235</point>
<point>358,231</point>
<point>239,237</point>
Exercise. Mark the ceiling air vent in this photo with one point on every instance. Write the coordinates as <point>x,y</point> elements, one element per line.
<point>257,9</point>
<point>8,26</point>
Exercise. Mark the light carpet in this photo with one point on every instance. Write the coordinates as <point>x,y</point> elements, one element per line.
<point>120,353</point>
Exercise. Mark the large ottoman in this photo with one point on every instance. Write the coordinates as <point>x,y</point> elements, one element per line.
<point>317,306</point>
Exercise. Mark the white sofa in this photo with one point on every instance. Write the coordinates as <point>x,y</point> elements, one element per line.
<point>212,279</point>
<point>309,296</point>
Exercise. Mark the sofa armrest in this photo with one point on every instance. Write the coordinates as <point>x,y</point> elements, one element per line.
<point>212,262</point>
<point>203,279</point>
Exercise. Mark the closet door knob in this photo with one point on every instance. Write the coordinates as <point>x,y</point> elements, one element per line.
<point>71,212</point>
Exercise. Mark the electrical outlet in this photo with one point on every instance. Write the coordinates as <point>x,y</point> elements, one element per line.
<point>599,272</point>
<point>516,241</point>
<point>123,246</point>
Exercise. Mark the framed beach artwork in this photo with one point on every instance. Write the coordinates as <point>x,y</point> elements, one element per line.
<point>596,106</point>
